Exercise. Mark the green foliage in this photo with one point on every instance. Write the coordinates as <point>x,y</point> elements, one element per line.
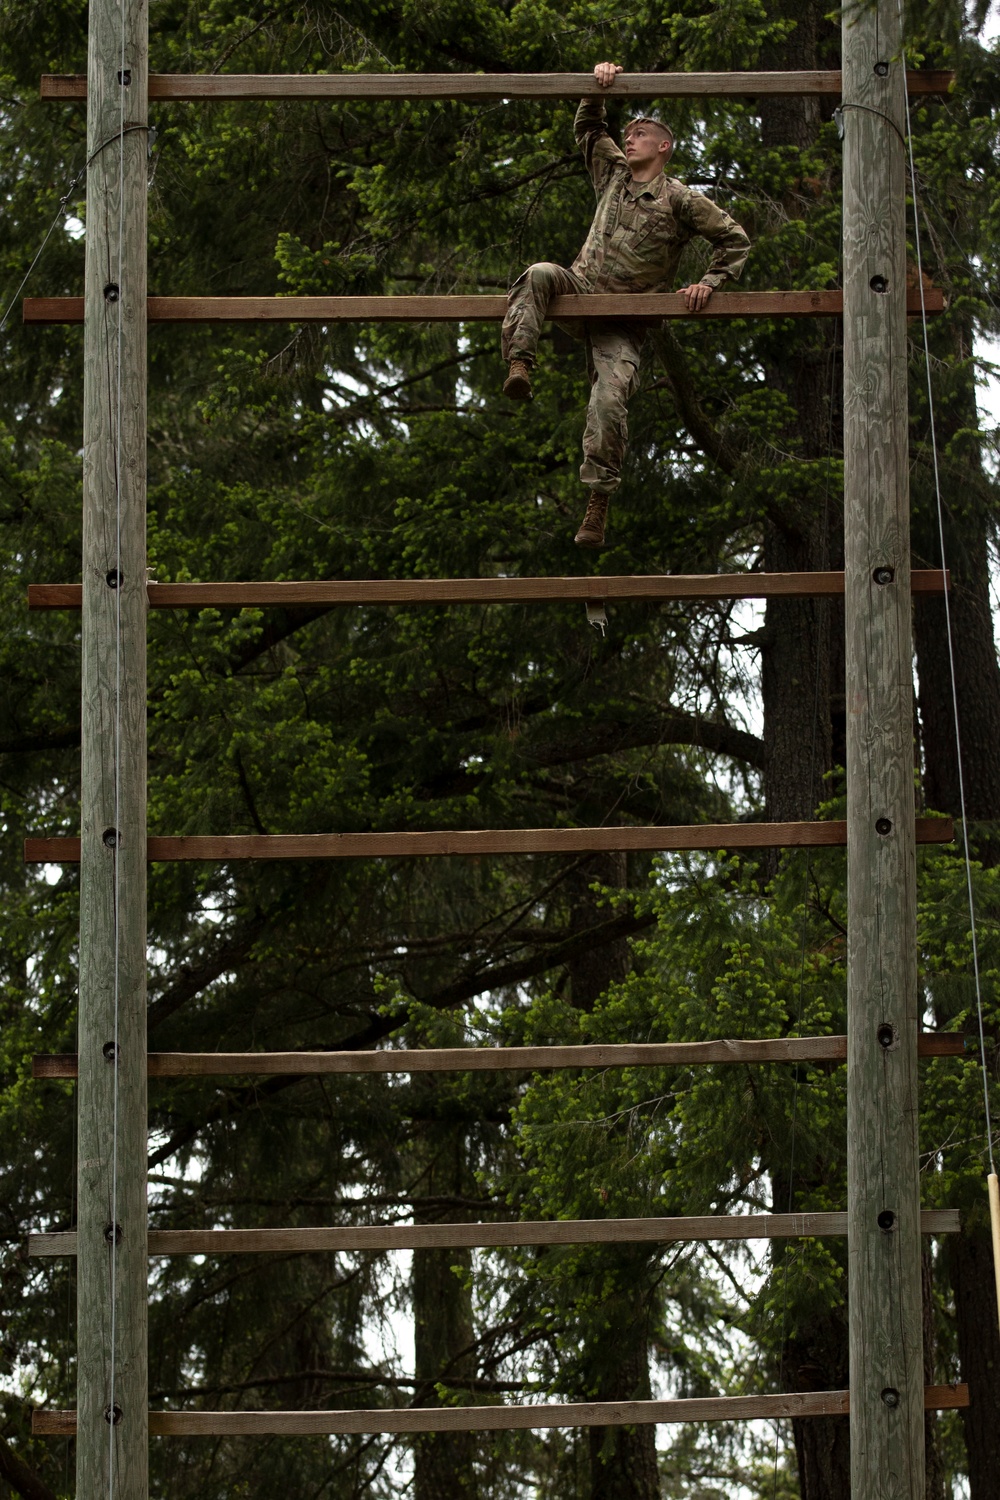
<point>384,451</point>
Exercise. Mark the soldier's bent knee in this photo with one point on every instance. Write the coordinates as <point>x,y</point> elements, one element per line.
<point>543,273</point>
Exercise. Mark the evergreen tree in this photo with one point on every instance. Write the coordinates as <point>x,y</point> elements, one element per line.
<point>385,451</point>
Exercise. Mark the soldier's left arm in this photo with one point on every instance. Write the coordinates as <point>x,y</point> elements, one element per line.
<point>729,240</point>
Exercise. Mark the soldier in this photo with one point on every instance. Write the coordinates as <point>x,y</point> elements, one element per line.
<point>643,221</point>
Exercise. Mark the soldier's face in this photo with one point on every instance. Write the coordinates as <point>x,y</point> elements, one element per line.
<point>645,146</point>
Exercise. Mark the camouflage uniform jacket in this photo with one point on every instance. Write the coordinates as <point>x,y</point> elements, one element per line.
<point>641,228</point>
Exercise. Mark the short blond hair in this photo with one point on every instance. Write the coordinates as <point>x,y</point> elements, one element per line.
<point>649,120</point>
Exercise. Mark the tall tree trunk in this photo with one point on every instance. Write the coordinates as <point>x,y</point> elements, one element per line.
<point>797,688</point>
<point>968,506</point>
<point>592,972</point>
<point>815,1359</point>
<point>802,685</point>
<point>444,1462</point>
<point>622,1460</point>
<point>969,1259</point>
<point>969,509</point>
<point>823,1452</point>
<point>976,683</point>
<point>802,680</point>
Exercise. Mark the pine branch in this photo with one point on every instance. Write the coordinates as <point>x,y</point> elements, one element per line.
<point>499,976</point>
<point>191,980</point>
<point>439,1202</point>
<point>356,1377</point>
<point>65,738</point>
<point>699,424</point>
<point>668,727</point>
<point>22,1480</point>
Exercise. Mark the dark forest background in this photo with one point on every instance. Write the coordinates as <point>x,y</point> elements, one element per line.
<point>386,451</point>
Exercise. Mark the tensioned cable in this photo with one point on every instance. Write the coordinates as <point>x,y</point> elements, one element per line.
<point>60,212</point>
<point>950,639</point>
<point>116,852</point>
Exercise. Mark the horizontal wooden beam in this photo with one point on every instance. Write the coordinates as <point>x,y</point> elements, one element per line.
<point>461,309</point>
<point>481,86</point>
<point>497,1059</point>
<point>482,841</point>
<point>331,591</point>
<point>492,1236</point>
<point>498,1418</point>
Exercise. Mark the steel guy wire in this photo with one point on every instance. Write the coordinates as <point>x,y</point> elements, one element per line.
<point>60,212</point>
<point>949,634</point>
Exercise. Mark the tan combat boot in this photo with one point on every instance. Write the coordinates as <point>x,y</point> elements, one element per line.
<point>518,383</point>
<point>591,533</point>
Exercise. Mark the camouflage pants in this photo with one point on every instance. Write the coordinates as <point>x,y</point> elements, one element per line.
<point>613,354</point>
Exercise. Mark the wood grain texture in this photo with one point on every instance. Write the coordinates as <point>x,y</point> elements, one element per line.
<point>884,1275</point>
<point>331,591</point>
<point>491,1236</point>
<point>483,841</point>
<point>464,309</point>
<point>495,1059</point>
<point>112,1296</point>
<point>499,1418</point>
<point>481,86</point>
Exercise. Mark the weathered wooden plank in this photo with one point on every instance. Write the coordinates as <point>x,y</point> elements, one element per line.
<point>499,1418</point>
<point>884,1272</point>
<point>492,1236</point>
<point>481,841</point>
<point>331,591</point>
<point>478,86</point>
<point>496,1059</point>
<point>112,1265</point>
<point>465,309</point>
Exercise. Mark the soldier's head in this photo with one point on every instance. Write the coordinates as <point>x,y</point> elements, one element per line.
<point>649,145</point>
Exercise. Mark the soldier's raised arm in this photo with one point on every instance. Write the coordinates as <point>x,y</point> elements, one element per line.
<point>591,131</point>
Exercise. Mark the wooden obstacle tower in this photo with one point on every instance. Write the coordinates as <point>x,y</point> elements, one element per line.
<point>883,1222</point>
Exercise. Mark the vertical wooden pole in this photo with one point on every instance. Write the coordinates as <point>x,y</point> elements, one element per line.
<point>112,1266</point>
<point>884,1290</point>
